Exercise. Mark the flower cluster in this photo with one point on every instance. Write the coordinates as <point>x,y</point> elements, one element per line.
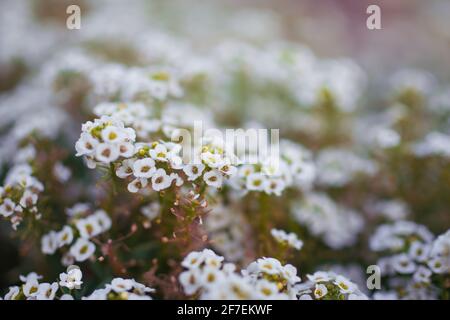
<point>209,277</point>
<point>19,195</point>
<point>329,286</point>
<point>31,289</point>
<point>122,289</point>
<point>414,261</point>
<point>287,239</point>
<point>86,228</point>
<point>104,141</point>
<point>337,225</point>
<point>273,174</point>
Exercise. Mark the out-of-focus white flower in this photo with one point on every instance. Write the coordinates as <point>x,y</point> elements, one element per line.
<point>82,249</point>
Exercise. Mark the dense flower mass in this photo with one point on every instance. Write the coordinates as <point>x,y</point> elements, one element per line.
<point>120,180</point>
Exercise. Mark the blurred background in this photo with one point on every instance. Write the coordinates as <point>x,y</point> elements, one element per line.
<point>415,35</point>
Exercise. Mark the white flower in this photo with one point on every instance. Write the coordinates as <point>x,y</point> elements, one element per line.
<point>49,243</point>
<point>144,168</point>
<point>7,207</point>
<point>178,180</point>
<point>438,265</point>
<point>269,265</point>
<point>121,285</point>
<point>47,291</point>
<point>28,199</point>
<point>72,278</point>
<point>160,180</point>
<point>190,280</point>
<point>125,169</point>
<point>213,178</point>
<point>113,134</point>
<point>107,152</point>
<point>30,276</point>
<point>159,152</point>
<point>193,171</point>
<point>228,170</point>
<point>274,186</point>
<point>403,264</point>
<point>193,260</point>
<point>82,249</point>
<point>126,149</point>
<point>319,276</point>
<point>255,182</point>
<point>320,291</point>
<point>345,285</point>
<point>86,144</point>
<point>137,184</point>
<point>12,293</point>
<point>66,297</point>
<point>103,220</point>
<point>88,227</point>
<point>422,274</point>
<point>30,288</point>
<point>212,160</point>
<point>419,251</point>
<point>290,239</point>
<point>65,236</point>
<point>266,289</point>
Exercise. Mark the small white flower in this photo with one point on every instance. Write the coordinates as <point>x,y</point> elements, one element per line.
<point>112,134</point>
<point>49,243</point>
<point>7,207</point>
<point>65,236</point>
<point>103,220</point>
<point>66,297</point>
<point>160,180</point>
<point>88,227</point>
<point>12,293</point>
<point>422,274</point>
<point>47,291</point>
<point>107,152</point>
<point>137,184</point>
<point>82,249</point>
<point>28,199</point>
<point>30,276</point>
<point>319,276</point>
<point>255,182</point>
<point>193,171</point>
<point>269,265</point>
<point>144,168</point>
<point>159,152</point>
<point>438,265</point>
<point>419,251</point>
<point>403,264</point>
<point>193,260</point>
<point>320,291</point>
<point>266,289</point>
<point>212,160</point>
<point>121,285</point>
<point>345,285</point>
<point>274,186</point>
<point>72,278</point>
<point>126,149</point>
<point>125,169</point>
<point>228,170</point>
<point>213,178</point>
<point>86,144</point>
<point>30,288</point>
<point>190,280</point>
